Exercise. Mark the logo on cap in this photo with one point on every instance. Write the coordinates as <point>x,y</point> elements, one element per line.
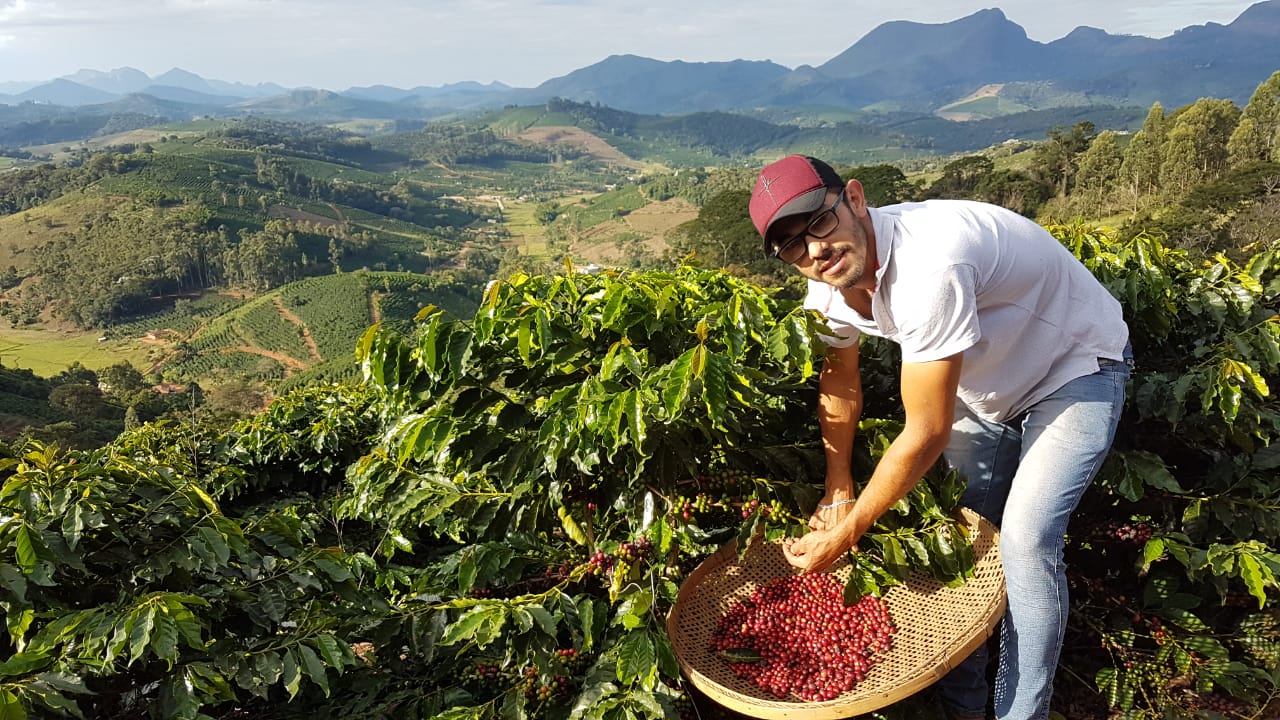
<point>766,185</point>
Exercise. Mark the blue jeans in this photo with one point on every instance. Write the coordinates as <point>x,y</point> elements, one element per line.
<point>1027,476</point>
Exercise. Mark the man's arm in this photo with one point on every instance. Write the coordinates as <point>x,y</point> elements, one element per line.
<point>839,408</point>
<point>929,398</point>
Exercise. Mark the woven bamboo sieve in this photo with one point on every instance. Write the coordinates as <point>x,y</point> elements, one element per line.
<point>938,627</point>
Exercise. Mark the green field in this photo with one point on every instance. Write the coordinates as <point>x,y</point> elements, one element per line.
<point>47,353</point>
<point>310,327</point>
<point>514,120</point>
<point>526,233</point>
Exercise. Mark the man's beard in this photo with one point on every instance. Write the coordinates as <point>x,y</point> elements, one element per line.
<point>851,273</point>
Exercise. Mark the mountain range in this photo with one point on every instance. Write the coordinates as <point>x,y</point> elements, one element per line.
<point>976,66</point>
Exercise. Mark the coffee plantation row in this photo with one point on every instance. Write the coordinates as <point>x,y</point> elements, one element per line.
<point>496,521</point>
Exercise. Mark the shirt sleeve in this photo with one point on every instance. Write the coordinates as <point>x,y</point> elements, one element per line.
<point>824,298</point>
<point>944,320</point>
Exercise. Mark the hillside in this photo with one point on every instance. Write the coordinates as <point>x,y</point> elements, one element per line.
<point>302,332</point>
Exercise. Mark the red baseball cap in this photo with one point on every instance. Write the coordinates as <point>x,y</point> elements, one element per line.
<point>794,185</point>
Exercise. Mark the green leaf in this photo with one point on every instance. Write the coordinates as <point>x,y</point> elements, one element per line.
<point>631,613</point>
<point>1256,577</point>
<point>1152,551</point>
<point>336,572</point>
<point>571,528</point>
<point>1129,484</point>
<point>11,707</point>
<point>866,578</point>
<point>273,604</point>
<point>917,551</point>
<point>18,623</point>
<point>634,416</point>
<point>24,663</point>
<point>465,713</point>
<point>636,658</point>
<point>946,565</point>
<point>715,387</point>
<point>590,698</point>
<point>586,621</point>
<point>140,632</point>
<point>331,650</point>
<point>66,682</point>
<point>749,533</point>
<point>481,623</point>
<point>182,690</point>
<point>186,622</point>
<point>1227,391</point>
<point>268,666</point>
<point>1152,471</point>
<point>895,557</point>
<point>1267,458</point>
<point>164,639</point>
<point>611,428</point>
<point>13,581</point>
<point>24,549</point>
<point>1183,619</point>
<point>524,339</point>
<point>667,663</point>
<point>661,534</point>
<point>1206,646</point>
<point>618,294</point>
<point>290,676</point>
<point>740,655</point>
<point>679,382</point>
<point>546,622</point>
<point>73,526</point>
<point>315,668</point>
<point>522,619</point>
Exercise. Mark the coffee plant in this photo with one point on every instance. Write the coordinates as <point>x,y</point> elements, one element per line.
<point>495,522</point>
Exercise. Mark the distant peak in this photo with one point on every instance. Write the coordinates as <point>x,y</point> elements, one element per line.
<point>1260,18</point>
<point>178,72</point>
<point>1083,31</point>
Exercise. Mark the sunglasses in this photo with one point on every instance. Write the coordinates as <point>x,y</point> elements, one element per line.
<point>820,225</point>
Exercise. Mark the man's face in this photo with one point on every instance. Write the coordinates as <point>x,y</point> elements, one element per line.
<point>838,259</point>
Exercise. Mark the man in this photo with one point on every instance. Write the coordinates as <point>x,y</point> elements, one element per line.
<point>1014,364</point>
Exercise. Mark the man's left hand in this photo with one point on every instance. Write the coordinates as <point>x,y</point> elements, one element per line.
<point>816,551</point>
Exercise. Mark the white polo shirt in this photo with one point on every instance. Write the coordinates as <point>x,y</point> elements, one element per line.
<point>961,276</point>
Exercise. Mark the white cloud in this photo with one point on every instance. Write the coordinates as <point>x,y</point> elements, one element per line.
<point>13,12</point>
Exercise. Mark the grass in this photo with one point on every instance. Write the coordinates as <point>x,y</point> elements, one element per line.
<point>527,234</point>
<point>48,352</point>
<point>31,228</point>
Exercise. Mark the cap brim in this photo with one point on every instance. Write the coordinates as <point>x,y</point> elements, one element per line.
<point>801,204</point>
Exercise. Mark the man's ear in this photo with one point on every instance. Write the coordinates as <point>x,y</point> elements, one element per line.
<point>856,197</point>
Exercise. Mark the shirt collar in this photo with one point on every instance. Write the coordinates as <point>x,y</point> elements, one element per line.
<point>886,230</point>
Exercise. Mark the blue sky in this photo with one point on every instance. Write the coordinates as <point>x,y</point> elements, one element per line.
<point>336,44</point>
